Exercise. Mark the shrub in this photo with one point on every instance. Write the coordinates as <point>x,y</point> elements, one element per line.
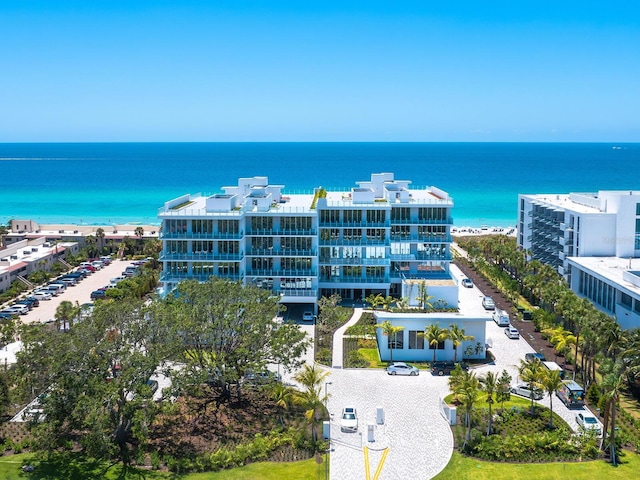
<point>324,356</point>
<point>593,394</point>
<point>356,360</point>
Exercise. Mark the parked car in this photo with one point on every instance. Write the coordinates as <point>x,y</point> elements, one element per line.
<point>467,283</point>
<point>445,368</point>
<point>488,303</point>
<point>69,281</point>
<point>512,332</point>
<point>532,357</point>
<point>42,295</point>
<point>97,294</point>
<point>308,316</point>
<point>6,316</point>
<point>523,390</point>
<point>401,368</point>
<point>589,422</point>
<point>16,309</point>
<point>31,301</point>
<point>349,422</point>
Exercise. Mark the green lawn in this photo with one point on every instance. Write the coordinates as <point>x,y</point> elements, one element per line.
<point>73,469</point>
<point>460,468</point>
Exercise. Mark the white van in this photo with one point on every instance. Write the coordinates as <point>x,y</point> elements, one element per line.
<point>501,318</point>
<point>554,366</point>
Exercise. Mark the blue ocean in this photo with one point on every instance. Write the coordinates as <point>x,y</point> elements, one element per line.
<point>115,183</point>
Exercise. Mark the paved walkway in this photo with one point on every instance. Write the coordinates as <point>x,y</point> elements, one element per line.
<point>338,352</point>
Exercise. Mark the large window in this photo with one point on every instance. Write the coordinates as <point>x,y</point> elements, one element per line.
<point>416,339</point>
<point>637,239</point>
<point>396,341</point>
<point>440,346</point>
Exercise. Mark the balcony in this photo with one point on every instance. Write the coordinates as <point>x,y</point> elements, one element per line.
<point>421,256</point>
<point>201,257</point>
<point>423,221</point>
<point>382,224</point>
<point>271,252</point>
<point>359,241</point>
<point>359,280</point>
<point>200,236</point>
<point>281,272</point>
<point>282,233</point>
<point>170,277</point>
<point>356,261</point>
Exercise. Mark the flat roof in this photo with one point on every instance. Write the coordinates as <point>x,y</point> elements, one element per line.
<point>563,202</point>
<point>610,268</point>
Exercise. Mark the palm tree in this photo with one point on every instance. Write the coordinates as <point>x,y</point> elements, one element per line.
<point>284,397</point>
<point>468,393</point>
<point>100,237</point>
<point>375,300</point>
<point>503,388</point>
<point>551,381</point>
<point>389,330</point>
<point>457,336</point>
<point>489,385</point>
<point>613,383</point>
<point>531,373</point>
<point>435,335</point>
<point>311,399</point>
<point>66,312</point>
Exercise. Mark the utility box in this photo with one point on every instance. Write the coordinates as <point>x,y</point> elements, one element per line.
<point>326,430</point>
<point>371,429</point>
<point>380,416</point>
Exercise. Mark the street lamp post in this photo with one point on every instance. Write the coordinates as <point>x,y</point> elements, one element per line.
<point>326,453</point>
<point>326,396</point>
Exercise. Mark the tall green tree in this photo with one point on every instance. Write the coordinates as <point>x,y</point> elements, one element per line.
<point>435,335</point>
<point>503,388</point>
<point>389,330</point>
<point>100,236</point>
<point>457,336</point>
<point>489,383</point>
<point>551,381</point>
<point>312,379</point>
<point>95,380</point>
<point>229,328</point>
<point>66,312</point>
<point>467,390</point>
<point>531,373</point>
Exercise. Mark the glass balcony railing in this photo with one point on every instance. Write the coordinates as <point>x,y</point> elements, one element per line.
<point>355,261</point>
<point>201,257</point>
<point>360,279</point>
<point>200,236</point>
<point>179,277</point>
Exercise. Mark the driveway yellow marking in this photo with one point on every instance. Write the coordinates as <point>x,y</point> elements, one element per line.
<point>367,467</point>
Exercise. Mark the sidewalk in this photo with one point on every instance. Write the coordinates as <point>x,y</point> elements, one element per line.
<point>338,344</point>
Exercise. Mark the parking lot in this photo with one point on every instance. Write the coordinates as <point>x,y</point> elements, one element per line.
<point>80,292</point>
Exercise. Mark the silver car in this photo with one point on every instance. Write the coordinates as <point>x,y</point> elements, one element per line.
<point>523,390</point>
<point>488,303</point>
<point>401,368</point>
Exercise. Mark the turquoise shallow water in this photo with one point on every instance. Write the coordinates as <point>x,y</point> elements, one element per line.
<point>127,182</point>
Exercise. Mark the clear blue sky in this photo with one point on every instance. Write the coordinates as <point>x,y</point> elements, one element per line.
<point>307,70</point>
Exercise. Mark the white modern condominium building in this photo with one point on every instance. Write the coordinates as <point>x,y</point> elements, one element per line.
<point>369,239</point>
<point>593,240</point>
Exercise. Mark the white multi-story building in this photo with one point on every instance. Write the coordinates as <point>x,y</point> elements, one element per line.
<point>592,240</point>
<point>371,239</point>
